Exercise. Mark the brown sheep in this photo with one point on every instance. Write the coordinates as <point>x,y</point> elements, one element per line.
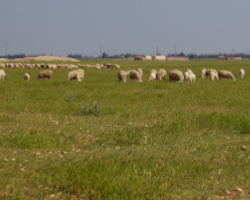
<point>226,74</point>
<point>135,75</point>
<point>45,74</point>
<point>176,75</point>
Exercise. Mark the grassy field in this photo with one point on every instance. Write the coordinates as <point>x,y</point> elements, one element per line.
<point>151,140</point>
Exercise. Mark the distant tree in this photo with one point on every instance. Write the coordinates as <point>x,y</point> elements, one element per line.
<point>77,56</point>
<point>104,55</point>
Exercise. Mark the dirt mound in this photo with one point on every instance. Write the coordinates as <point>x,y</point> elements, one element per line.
<point>54,58</point>
<point>4,59</point>
<point>23,59</point>
<point>41,58</point>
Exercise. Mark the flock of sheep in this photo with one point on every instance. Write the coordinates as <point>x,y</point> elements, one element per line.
<point>57,66</point>
<point>174,75</point>
<point>73,75</point>
<point>177,75</point>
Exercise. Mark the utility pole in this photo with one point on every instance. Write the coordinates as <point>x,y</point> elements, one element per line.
<point>233,52</point>
<point>194,53</point>
<point>6,49</point>
<point>101,50</point>
<point>157,51</point>
<point>175,50</point>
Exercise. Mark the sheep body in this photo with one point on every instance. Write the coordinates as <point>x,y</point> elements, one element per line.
<point>122,75</point>
<point>203,73</point>
<point>186,76</point>
<point>162,73</point>
<point>226,74</point>
<point>189,71</point>
<point>152,75</point>
<point>135,75</point>
<point>176,75</point>
<point>212,75</point>
<point>2,74</point>
<point>26,77</point>
<point>242,73</point>
<point>45,74</point>
<point>140,71</point>
<point>212,70</point>
<point>76,75</point>
<point>192,78</point>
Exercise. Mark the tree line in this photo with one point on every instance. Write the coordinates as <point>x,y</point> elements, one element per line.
<point>129,55</point>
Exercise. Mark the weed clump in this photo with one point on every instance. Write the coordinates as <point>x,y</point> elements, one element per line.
<point>86,110</point>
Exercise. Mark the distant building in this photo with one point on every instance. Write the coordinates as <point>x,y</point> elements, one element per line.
<point>139,58</point>
<point>235,58</point>
<point>160,57</point>
<point>222,57</point>
<point>148,57</point>
<point>178,58</point>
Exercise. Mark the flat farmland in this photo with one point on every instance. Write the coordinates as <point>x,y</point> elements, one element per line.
<point>103,139</point>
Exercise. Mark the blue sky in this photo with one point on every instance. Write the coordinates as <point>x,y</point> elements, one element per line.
<point>61,27</point>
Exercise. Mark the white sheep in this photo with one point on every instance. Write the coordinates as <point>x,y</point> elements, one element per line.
<point>2,74</point>
<point>162,73</point>
<point>26,77</point>
<point>203,73</point>
<point>186,76</point>
<point>192,78</point>
<point>45,74</point>
<point>76,75</point>
<point>212,75</point>
<point>242,73</point>
<point>140,71</point>
<point>212,70</point>
<point>122,75</point>
<point>152,75</point>
<point>189,71</point>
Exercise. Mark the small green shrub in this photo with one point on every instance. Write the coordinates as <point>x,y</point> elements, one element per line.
<point>86,110</point>
<point>69,96</point>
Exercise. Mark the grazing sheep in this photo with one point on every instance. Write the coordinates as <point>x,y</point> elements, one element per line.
<point>226,74</point>
<point>122,75</point>
<point>212,70</point>
<point>45,74</point>
<point>176,75</point>
<point>140,71</point>
<point>242,73</point>
<point>189,71</point>
<point>212,75</point>
<point>116,66</point>
<point>26,77</point>
<point>203,73</point>
<point>192,78</point>
<point>135,75</point>
<point>162,73</point>
<point>152,75</point>
<point>2,65</point>
<point>76,75</point>
<point>186,76</point>
<point>2,74</point>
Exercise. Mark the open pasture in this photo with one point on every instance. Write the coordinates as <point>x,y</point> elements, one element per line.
<point>152,140</point>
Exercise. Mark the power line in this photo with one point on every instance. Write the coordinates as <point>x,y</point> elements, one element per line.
<point>101,50</point>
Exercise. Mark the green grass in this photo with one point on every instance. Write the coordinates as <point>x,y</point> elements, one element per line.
<point>151,140</point>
